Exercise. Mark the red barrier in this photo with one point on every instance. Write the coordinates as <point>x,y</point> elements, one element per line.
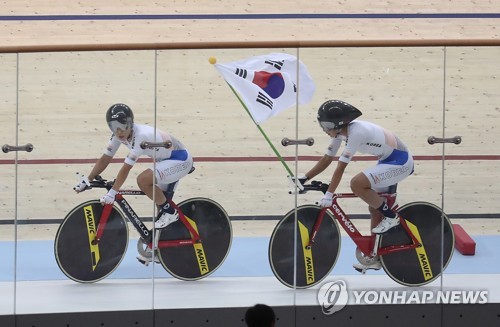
<point>463,242</point>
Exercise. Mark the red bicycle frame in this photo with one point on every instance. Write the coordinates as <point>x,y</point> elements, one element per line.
<point>195,237</point>
<point>135,220</point>
<point>369,245</point>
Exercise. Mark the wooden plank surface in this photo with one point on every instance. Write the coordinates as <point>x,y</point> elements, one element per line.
<point>63,97</point>
<point>93,30</point>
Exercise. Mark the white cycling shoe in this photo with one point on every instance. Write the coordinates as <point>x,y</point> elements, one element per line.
<point>385,225</point>
<point>166,219</point>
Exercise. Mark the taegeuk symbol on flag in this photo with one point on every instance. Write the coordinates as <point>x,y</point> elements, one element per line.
<point>267,84</point>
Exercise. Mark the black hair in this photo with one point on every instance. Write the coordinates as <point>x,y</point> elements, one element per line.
<point>260,315</point>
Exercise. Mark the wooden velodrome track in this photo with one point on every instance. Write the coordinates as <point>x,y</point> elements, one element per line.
<point>237,29</point>
<point>58,100</point>
<point>63,96</point>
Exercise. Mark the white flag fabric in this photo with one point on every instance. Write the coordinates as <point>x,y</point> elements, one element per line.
<point>267,84</point>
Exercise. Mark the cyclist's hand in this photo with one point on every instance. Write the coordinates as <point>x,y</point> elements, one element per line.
<point>326,200</point>
<point>109,198</point>
<point>83,185</point>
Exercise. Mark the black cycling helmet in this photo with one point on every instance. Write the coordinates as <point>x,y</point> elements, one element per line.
<point>120,116</point>
<point>335,114</point>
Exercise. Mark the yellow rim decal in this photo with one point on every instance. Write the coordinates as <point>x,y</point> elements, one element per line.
<point>198,251</point>
<point>91,230</point>
<point>308,259</point>
<point>421,254</point>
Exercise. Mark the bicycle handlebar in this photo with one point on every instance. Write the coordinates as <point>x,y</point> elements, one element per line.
<point>99,182</point>
<point>314,186</point>
<point>323,187</point>
<point>151,145</point>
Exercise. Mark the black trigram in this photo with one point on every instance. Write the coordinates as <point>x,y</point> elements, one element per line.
<point>276,64</point>
<point>241,72</point>
<point>262,98</point>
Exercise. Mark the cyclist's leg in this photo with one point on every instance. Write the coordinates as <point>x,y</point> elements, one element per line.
<point>381,176</point>
<point>375,217</point>
<point>161,188</point>
<point>145,181</point>
<point>165,172</point>
<point>364,262</point>
<point>146,255</point>
<point>168,172</point>
<point>364,189</point>
<point>169,190</point>
<point>375,214</point>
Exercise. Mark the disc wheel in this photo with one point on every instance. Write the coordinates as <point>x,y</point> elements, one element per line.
<point>193,262</point>
<point>310,265</point>
<point>76,256</point>
<point>426,263</point>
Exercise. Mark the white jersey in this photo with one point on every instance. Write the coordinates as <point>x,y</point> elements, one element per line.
<point>147,133</point>
<point>365,137</point>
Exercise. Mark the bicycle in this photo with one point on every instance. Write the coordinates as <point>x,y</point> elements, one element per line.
<point>92,239</point>
<point>414,253</point>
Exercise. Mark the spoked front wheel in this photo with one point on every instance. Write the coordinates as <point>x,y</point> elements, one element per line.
<point>192,262</point>
<point>430,225</point>
<point>310,264</point>
<point>76,255</point>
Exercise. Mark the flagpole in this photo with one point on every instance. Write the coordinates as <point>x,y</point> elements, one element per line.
<point>262,131</point>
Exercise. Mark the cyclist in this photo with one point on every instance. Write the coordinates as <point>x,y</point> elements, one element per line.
<point>171,164</point>
<point>395,163</point>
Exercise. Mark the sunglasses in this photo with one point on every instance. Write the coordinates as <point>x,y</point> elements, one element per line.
<point>327,126</point>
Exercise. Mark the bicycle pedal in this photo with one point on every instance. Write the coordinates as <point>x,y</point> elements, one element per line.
<point>143,262</point>
<point>362,271</point>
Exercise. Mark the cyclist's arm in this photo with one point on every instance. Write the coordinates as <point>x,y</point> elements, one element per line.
<point>337,176</point>
<point>108,154</point>
<point>99,166</point>
<point>327,158</point>
<point>320,166</point>
<point>122,176</point>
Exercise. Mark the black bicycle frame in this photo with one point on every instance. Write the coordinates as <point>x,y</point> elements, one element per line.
<point>145,233</point>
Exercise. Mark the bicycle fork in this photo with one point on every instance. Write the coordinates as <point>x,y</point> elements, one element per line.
<point>144,232</point>
<point>102,223</point>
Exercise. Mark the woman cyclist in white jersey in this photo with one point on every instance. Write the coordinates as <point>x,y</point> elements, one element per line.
<point>395,163</point>
<point>171,164</point>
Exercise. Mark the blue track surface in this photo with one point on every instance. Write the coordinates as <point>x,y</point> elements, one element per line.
<point>248,257</point>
